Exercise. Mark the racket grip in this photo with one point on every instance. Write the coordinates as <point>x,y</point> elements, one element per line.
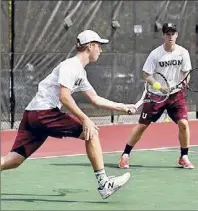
<point>137,105</point>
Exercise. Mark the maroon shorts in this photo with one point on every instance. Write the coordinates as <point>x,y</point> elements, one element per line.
<point>36,126</point>
<point>175,105</point>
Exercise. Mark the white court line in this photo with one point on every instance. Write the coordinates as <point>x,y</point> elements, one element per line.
<point>172,150</point>
<point>73,155</point>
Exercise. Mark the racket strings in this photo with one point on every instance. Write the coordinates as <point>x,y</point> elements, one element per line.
<point>164,84</point>
<point>157,95</point>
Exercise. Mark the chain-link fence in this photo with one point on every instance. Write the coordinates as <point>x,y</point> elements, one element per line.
<point>45,34</point>
<point>5,67</point>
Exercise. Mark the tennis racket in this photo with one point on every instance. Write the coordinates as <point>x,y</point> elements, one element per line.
<point>156,96</point>
<point>152,95</point>
<point>190,84</point>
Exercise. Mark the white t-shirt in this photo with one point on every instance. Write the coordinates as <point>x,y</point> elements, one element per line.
<point>69,73</point>
<point>170,64</point>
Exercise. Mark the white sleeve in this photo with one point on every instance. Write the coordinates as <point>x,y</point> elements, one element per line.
<point>85,85</point>
<point>150,64</point>
<point>67,76</point>
<point>186,65</point>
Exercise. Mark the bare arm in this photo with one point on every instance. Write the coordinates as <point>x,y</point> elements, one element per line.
<point>67,100</point>
<point>147,77</point>
<point>89,128</point>
<point>107,104</point>
<point>184,75</point>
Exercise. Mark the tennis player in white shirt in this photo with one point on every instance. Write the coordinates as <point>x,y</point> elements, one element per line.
<point>43,118</point>
<point>173,61</point>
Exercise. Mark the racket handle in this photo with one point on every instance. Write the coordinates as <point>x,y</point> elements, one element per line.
<point>137,105</point>
<point>140,102</point>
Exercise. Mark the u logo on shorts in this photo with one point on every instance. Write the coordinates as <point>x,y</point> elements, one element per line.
<point>144,115</point>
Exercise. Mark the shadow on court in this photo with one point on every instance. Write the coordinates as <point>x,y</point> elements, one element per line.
<point>112,165</point>
<point>58,193</point>
<point>26,194</point>
<point>53,201</point>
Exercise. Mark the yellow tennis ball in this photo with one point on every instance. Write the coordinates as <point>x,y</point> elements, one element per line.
<point>157,85</point>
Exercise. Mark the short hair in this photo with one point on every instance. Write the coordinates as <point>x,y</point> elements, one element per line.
<point>80,47</point>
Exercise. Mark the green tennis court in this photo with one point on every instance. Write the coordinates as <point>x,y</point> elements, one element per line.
<point>68,183</point>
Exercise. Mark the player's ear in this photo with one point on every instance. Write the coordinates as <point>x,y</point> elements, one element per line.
<point>89,45</point>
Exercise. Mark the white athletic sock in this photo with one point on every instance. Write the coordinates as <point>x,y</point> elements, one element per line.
<point>101,177</point>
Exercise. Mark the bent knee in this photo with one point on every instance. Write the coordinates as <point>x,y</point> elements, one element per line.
<point>95,135</point>
<point>14,159</point>
<point>183,124</point>
<point>17,163</point>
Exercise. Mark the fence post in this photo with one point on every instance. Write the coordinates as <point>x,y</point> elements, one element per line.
<point>112,116</point>
<point>12,39</point>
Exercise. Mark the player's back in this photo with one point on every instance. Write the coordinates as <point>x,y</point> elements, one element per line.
<point>47,95</point>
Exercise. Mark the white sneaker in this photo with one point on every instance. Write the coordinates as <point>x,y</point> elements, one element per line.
<point>124,161</point>
<point>113,184</point>
<point>184,162</point>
